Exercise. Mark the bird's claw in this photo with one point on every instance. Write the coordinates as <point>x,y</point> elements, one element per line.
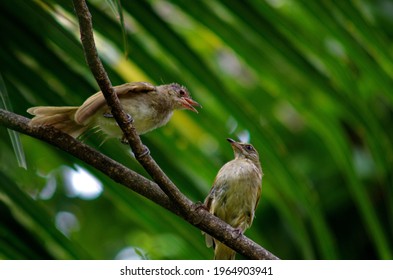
<point>124,140</point>
<point>198,216</point>
<point>146,152</point>
<point>108,115</point>
<point>130,119</point>
<point>237,232</point>
<point>198,205</point>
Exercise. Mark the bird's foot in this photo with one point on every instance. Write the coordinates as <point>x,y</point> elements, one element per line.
<point>197,215</point>
<point>237,232</point>
<point>107,115</point>
<point>146,152</point>
<point>198,205</point>
<point>124,140</point>
<point>130,119</point>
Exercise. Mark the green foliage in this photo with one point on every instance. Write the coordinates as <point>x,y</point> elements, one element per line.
<point>307,82</point>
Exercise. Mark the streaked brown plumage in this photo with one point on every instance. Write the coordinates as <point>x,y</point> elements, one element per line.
<point>235,194</point>
<point>150,107</point>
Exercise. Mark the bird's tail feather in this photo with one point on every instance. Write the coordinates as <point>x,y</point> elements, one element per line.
<point>61,118</point>
<point>223,252</point>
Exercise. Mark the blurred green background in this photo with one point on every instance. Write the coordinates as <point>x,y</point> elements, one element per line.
<point>308,83</point>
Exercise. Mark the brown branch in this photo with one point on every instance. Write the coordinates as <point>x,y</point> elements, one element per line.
<point>132,180</point>
<point>87,39</point>
<point>106,165</point>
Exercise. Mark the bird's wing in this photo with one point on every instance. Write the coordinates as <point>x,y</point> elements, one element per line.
<point>258,197</point>
<point>208,201</point>
<point>208,204</point>
<point>210,196</point>
<point>97,101</point>
<point>209,241</point>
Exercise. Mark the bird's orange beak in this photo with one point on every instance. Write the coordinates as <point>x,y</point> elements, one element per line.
<point>190,104</point>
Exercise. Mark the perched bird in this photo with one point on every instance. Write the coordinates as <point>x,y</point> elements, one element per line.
<point>235,194</point>
<point>149,106</point>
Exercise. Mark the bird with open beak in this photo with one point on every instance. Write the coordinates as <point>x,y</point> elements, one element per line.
<point>149,106</point>
<point>235,194</point>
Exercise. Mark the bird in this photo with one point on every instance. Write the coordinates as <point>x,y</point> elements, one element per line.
<point>147,105</point>
<point>235,194</point>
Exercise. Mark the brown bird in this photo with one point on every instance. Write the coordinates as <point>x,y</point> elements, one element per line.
<point>235,194</point>
<point>149,106</point>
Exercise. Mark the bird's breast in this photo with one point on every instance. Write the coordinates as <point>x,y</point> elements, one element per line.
<point>237,192</point>
<point>145,114</point>
<point>240,171</point>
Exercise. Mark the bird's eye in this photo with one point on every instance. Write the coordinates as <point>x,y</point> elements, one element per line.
<point>248,147</point>
<point>182,92</point>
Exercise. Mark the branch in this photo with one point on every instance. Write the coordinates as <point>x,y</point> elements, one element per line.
<point>96,67</point>
<point>116,171</point>
<point>132,180</point>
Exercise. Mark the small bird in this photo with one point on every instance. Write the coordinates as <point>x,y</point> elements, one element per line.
<point>149,106</point>
<point>235,194</point>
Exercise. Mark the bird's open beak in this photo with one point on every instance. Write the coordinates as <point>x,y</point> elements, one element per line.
<point>190,104</point>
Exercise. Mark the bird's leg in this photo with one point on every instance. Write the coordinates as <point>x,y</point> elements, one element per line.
<point>144,153</point>
<point>124,140</point>
<point>198,205</point>
<point>107,115</point>
<point>237,232</point>
<point>198,216</point>
<point>130,119</point>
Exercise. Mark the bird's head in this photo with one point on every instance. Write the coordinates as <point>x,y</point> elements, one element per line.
<point>182,98</point>
<point>244,150</point>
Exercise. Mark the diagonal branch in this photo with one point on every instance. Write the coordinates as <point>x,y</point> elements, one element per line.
<point>106,165</point>
<point>132,180</point>
<point>87,39</point>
